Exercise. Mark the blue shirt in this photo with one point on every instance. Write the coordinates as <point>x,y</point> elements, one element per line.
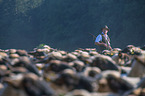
<point>99,38</point>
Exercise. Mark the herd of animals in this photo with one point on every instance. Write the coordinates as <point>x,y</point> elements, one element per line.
<point>84,72</point>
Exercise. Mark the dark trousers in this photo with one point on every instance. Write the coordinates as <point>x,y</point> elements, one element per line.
<point>101,48</point>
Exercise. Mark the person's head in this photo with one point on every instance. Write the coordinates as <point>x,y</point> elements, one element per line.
<point>105,30</point>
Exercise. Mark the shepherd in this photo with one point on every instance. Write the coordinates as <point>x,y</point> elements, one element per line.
<point>103,41</point>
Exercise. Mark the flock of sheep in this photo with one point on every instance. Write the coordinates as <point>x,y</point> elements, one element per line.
<point>84,72</point>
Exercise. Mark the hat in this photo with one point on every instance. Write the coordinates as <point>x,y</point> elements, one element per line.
<point>106,27</point>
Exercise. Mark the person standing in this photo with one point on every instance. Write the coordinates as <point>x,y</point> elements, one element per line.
<point>103,41</point>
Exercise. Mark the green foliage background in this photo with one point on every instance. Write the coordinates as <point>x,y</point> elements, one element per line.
<point>66,24</point>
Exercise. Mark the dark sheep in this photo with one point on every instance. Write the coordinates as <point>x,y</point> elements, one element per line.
<point>27,85</point>
<point>104,63</point>
<point>73,81</point>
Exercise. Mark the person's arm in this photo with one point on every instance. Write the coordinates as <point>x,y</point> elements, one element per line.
<point>97,41</point>
<point>101,44</point>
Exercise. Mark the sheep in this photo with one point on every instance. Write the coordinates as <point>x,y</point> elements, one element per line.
<point>26,85</point>
<point>104,63</point>
<point>138,66</point>
<point>110,81</point>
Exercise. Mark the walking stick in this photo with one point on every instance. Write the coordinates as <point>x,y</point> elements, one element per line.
<point>93,36</point>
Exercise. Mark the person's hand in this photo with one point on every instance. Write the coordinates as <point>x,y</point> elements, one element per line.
<point>108,47</point>
<point>105,45</point>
